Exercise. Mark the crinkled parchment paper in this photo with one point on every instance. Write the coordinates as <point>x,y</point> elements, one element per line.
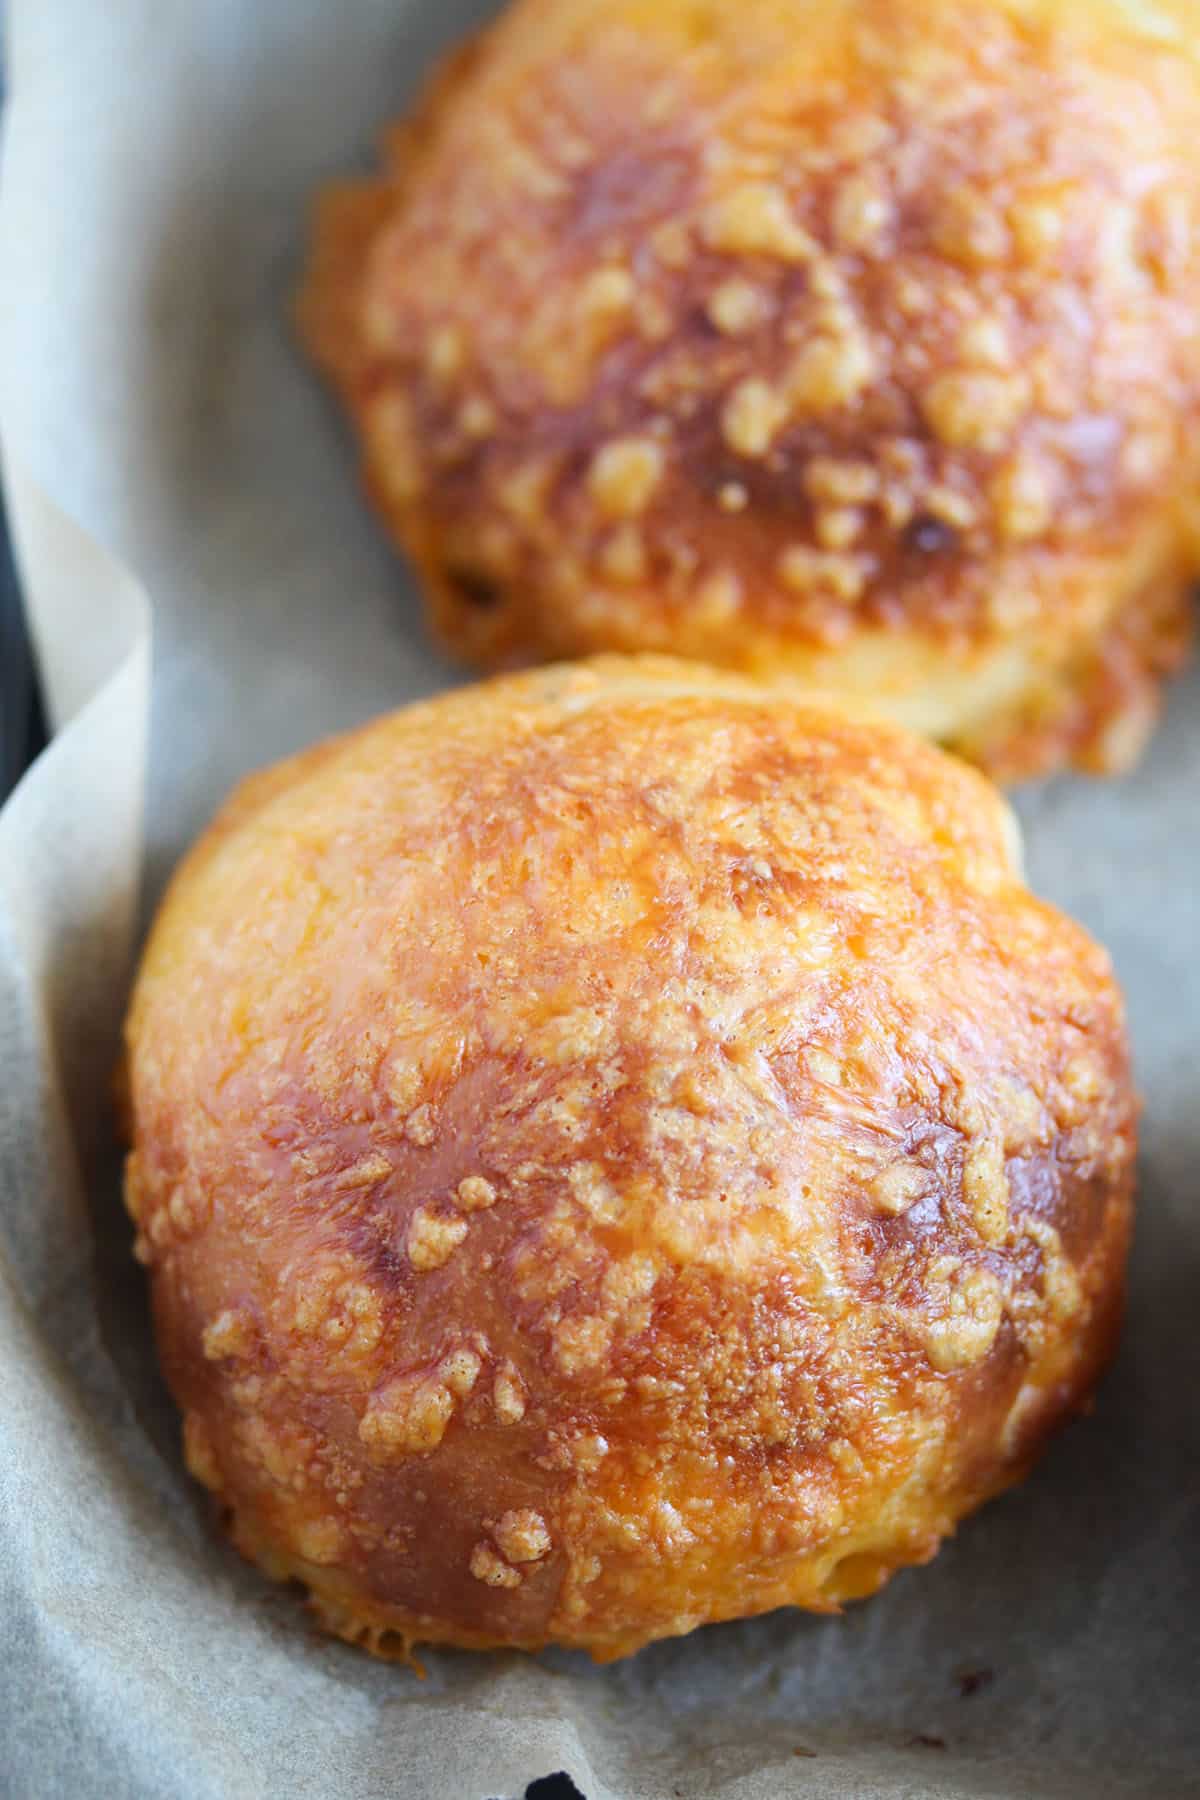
<point>158,158</point>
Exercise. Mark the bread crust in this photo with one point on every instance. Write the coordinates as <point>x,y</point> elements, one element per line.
<point>849,343</point>
<point>615,1148</point>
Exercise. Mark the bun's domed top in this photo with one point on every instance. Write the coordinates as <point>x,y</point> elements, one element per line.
<point>851,342</point>
<point>618,1148</point>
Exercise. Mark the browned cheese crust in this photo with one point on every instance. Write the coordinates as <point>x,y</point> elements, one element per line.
<point>852,343</point>
<point>617,1148</point>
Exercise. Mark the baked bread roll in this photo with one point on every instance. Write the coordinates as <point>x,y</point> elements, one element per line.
<point>617,1148</point>
<point>850,343</point>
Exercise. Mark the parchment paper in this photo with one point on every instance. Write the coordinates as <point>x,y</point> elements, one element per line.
<point>158,158</point>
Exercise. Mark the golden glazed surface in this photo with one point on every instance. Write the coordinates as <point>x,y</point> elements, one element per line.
<point>617,1148</point>
<point>848,342</point>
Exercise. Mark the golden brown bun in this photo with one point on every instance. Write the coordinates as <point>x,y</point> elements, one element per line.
<point>846,342</point>
<point>618,1148</point>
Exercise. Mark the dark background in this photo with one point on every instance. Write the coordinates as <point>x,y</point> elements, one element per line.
<point>21,725</point>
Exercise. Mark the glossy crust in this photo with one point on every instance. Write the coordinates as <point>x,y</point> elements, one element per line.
<point>847,342</point>
<point>616,1148</point>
